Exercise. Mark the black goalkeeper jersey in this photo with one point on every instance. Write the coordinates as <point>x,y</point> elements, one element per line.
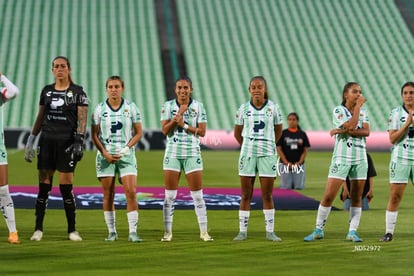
<point>60,119</point>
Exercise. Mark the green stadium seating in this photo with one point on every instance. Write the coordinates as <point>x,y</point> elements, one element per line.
<point>307,50</point>
<point>100,37</point>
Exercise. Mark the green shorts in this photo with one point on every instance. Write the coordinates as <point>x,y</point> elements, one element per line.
<point>189,164</point>
<point>127,165</point>
<point>355,172</point>
<point>400,173</point>
<point>265,166</point>
<point>3,154</point>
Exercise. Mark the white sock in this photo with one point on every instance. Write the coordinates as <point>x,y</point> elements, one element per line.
<point>110,221</point>
<point>269,215</point>
<point>168,209</point>
<point>243,220</point>
<point>200,209</point>
<point>132,221</point>
<point>354,217</point>
<point>390,221</point>
<point>322,217</point>
<point>7,207</point>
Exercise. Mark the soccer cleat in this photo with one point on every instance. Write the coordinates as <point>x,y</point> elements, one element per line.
<point>204,236</point>
<point>167,237</point>
<point>37,235</point>
<point>113,236</point>
<point>13,238</point>
<point>133,237</point>
<point>271,236</point>
<point>386,238</point>
<point>74,236</point>
<point>241,236</point>
<point>317,234</point>
<point>353,236</point>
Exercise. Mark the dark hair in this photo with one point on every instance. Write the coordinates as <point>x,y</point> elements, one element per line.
<point>266,96</point>
<point>185,78</point>
<point>294,114</point>
<point>115,78</point>
<point>67,62</point>
<point>408,83</point>
<point>346,88</point>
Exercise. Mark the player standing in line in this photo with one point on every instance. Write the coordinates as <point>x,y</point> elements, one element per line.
<point>62,115</point>
<point>116,129</point>
<point>349,159</point>
<point>8,92</point>
<point>183,121</point>
<point>258,126</point>
<point>401,169</point>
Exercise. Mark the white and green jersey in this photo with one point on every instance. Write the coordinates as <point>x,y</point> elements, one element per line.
<point>180,143</point>
<point>2,101</point>
<point>116,125</point>
<point>402,151</point>
<point>7,93</point>
<point>258,128</point>
<point>348,150</point>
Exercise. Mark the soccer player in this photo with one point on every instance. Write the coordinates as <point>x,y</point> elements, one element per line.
<point>62,115</point>
<point>349,159</point>
<point>183,121</point>
<point>8,92</point>
<point>116,129</point>
<point>401,169</point>
<point>258,126</point>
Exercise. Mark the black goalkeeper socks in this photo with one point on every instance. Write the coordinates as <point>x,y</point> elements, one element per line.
<point>69,205</point>
<point>41,204</point>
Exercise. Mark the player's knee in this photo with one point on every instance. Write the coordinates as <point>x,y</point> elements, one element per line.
<point>197,196</point>
<point>4,190</point>
<point>170,196</point>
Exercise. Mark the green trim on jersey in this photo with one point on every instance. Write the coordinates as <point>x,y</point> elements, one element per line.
<point>180,143</point>
<point>116,125</point>
<point>348,150</point>
<point>258,128</point>
<point>402,152</point>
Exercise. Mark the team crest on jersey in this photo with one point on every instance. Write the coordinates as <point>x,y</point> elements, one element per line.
<point>269,112</point>
<point>126,112</point>
<point>193,112</point>
<point>69,94</point>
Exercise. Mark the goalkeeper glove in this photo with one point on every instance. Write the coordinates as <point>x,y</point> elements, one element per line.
<point>29,151</point>
<point>77,147</point>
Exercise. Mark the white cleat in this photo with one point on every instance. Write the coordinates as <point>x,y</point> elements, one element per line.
<point>74,236</point>
<point>204,236</point>
<point>167,237</point>
<point>37,236</point>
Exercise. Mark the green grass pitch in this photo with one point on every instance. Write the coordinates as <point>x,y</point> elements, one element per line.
<point>186,255</point>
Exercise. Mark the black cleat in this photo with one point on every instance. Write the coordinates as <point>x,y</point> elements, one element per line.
<point>386,238</point>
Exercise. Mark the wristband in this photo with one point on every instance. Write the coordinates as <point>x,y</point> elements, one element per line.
<point>185,126</point>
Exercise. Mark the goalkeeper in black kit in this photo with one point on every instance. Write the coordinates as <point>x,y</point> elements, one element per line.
<point>61,119</point>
